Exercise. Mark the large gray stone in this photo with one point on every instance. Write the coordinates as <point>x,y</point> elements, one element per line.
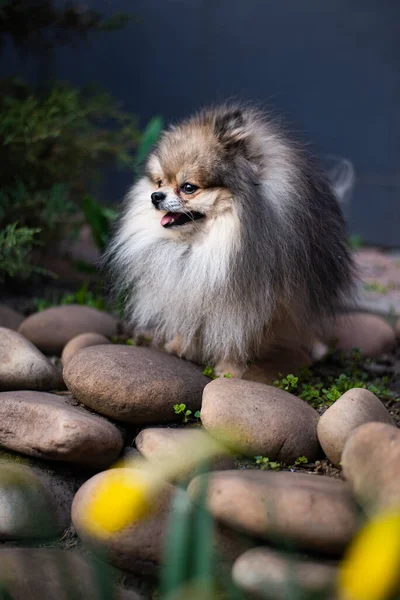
<point>51,574</point>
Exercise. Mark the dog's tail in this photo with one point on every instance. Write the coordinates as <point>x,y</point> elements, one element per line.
<point>341,175</point>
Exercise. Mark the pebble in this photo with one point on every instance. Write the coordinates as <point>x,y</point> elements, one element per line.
<point>50,574</point>
<point>260,419</point>
<point>370,333</point>
<point>84,340</point>
<point>161,443</point>
<point>259,569</point>
<point>137,548</point>
<point>371,464</point>
<point>134,385</point>
<point>51,329</point>
<point>314,512</point>
<point>355,407</point>
<point>32,504</point>
<point>46,426</point>
<point>10,318</point>
<point>23,366</point>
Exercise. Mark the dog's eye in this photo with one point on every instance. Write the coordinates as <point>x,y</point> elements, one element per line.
<point>189,188</point>
<point>158,182</point>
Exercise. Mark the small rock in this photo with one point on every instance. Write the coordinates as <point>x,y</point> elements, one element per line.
<point>355,407</point>
<point>370,333</point>
<point>51,329</point>
<point>23,366</point>
<point>134,385</point>
<point>45,426</point>
<point>161,443</point>
<point>84,340</point>
<point>313,512</point>
<point>261,569</point>
<point>49,574</point>
<point>128,454</point>
<point>260,419</point>
<point>32,504</point>
<point>10,318</point>
<point>136,548</point>
<point>371,464</point>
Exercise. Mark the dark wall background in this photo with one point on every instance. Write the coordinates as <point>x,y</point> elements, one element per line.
<point>330,67</point>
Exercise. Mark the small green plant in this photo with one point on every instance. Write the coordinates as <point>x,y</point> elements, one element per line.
<point>321,386</point>
<point>181,409</point>
<point>290,382</point>
<point>265,463</point>
<point>83,296</point>
<point>209,372</point>
<point>302,460</point>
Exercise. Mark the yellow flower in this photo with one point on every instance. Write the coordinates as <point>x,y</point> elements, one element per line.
<point>370,569</point>
<point>123,497</point>
<point>131,490</point>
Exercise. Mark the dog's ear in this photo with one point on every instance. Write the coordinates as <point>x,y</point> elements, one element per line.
<point>231,128</point>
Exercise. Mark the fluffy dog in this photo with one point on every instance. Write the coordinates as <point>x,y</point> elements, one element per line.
<point>232,243</point>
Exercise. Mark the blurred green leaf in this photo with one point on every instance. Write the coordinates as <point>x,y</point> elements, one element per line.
<point>149,137</point>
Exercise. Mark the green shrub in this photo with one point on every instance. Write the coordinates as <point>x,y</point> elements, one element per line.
<point>15,246</point>
<point>56,142</point>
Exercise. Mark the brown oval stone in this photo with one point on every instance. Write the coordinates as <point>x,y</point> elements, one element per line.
<point>370,333</point>
<point>23,366</point>
<point>45,426</point>
<point>161,443</point>
<point>260,419</point>
<point>136,548</point>
<point>355,407</point>
<point>84,340</point>
<point>312,512</point>
<point>134,385</point>
<point>10,318</point>
<point>51,329</point>
<point>371,464</point>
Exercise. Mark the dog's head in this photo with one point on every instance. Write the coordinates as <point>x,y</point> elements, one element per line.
<point>198,165</point>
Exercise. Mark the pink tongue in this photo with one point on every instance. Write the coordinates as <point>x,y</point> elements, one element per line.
<point>168,218</point>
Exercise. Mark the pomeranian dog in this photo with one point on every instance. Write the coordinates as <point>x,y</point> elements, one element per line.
<point>232,243</point>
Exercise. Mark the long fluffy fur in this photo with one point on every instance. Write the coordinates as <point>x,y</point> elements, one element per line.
<point>270,267</point>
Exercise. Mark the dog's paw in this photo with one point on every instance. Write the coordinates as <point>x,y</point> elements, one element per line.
<point>226,369</point>
<point>174,346</point>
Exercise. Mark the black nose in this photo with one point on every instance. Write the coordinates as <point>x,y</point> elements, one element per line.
<point>157,197</point>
